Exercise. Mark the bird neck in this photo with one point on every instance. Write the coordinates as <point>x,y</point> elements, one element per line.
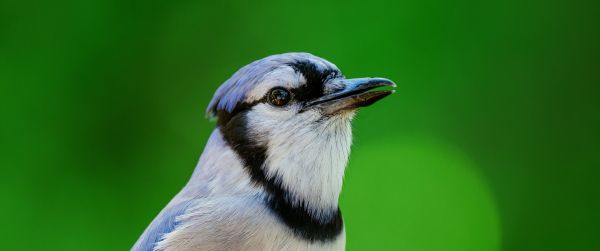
<point>301,173</point>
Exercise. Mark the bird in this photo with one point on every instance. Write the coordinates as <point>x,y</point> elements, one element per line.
<point>270,175</point>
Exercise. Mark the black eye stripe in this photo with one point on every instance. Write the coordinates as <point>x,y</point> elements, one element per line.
<point>315,80</point>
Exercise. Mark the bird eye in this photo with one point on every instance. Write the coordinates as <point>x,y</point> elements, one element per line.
<point>279,97</point>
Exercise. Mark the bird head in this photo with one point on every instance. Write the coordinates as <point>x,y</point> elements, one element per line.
<point>288,118</point>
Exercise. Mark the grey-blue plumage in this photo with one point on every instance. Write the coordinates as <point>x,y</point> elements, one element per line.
<point>270,175</point>
<point>162,225</point>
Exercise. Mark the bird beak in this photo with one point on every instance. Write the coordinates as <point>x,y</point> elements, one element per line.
<point>356,94</point>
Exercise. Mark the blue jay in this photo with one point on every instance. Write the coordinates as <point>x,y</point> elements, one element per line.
<point>271,173</point>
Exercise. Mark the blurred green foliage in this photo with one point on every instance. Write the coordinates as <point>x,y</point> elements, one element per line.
<point>491,142</point>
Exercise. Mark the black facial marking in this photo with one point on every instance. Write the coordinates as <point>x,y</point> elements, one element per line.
<point>234,128</point>
<point>315,80</point>
<point>223,117</point>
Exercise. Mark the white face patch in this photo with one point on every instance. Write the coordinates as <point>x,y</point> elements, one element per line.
<point>306,152</point>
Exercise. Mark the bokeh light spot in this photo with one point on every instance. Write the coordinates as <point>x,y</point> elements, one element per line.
<point>417,194</point>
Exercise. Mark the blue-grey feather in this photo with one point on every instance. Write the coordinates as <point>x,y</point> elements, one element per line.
<point>235,90</point>
<point>165,223</point>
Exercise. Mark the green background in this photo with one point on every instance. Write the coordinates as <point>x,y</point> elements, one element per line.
<point>490,143</point>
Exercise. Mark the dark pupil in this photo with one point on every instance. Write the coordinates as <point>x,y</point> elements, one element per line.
<point>279,97</point>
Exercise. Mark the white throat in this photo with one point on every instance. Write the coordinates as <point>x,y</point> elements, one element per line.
<point>307,156</point>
